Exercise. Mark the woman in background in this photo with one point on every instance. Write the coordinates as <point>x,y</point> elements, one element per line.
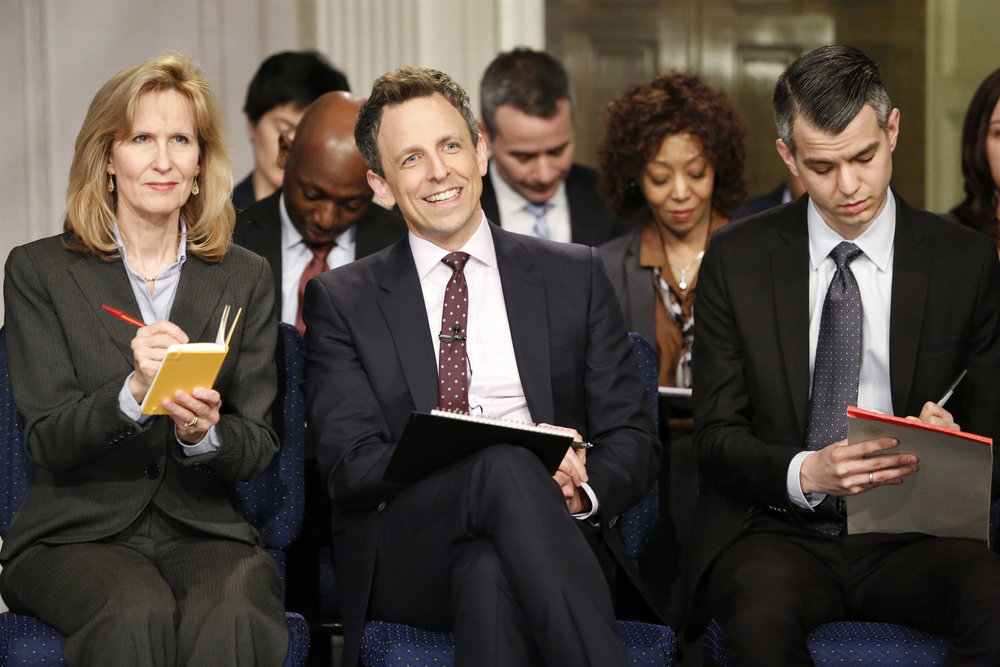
<point>127,542</point>
<point>673,152</point>
<point>981,160</point>
<point>673,156</point>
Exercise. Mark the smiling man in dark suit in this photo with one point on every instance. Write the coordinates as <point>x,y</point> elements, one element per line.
<point>845,296</point>
<point>533,186</point>
<point>323,215</point>
<point>492,548</point>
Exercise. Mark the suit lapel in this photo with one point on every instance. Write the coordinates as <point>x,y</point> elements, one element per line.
<point>640,309</point>
<point>402,304</point>
<point>198,310</point>
<point>527,315</point>
<point>790,272</point>
<point>106,282</point>
<point>910,277</point>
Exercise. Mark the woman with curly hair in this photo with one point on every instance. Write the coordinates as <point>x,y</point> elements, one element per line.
<point>981,160</point>
<point>673,153</point>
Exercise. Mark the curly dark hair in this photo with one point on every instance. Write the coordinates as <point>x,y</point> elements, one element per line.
<point>644,115</point>
<point>982,194</point>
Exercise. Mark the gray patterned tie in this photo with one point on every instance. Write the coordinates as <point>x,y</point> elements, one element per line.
<point>453,380</point>
<point>836,371</point>
<point>540,212</point>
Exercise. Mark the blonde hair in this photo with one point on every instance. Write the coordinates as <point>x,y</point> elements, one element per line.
<point>90,208</point>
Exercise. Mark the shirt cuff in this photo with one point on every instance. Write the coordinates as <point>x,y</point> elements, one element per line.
<point>128,406</point>
<point>210,443</point>
<point>806,501</point>
<point>594,505</point>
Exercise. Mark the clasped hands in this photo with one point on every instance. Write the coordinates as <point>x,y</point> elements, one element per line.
<point>841,469</point>
<point>192,413</point>
<point>572,473</point>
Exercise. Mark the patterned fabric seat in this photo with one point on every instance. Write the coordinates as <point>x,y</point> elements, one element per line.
<point>856,642</point>
<point>394,644</point>
<point>272,502</point>
<point>645,643</point>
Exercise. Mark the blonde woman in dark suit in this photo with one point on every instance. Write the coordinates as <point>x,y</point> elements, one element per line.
<point>127,542</point>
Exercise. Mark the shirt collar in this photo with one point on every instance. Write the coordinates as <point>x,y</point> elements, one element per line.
<point>427,255</point>
<point>510,202</point>
<point>291,238</point>
<point>875,242</point>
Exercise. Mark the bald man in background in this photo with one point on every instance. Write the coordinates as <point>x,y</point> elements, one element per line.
<point>323,215</point>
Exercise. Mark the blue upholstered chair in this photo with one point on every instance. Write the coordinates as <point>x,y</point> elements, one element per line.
<point>646,644</point>
<point>271,502</point>
<point>856,642</point>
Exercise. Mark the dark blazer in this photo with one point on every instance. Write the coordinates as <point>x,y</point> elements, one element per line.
<point>258,228</point>
<point>591,221</point>
<point>751,354</point>
<point>96,469</point>
<point>243,194</point>
<point>633,283</point>
<point>370,362</point>
<point>762,203</point>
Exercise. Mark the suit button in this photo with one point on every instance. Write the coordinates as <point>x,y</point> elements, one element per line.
<point>381,506</point>
<point>152,471</point>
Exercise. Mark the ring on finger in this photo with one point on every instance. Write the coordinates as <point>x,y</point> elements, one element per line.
<point>192,422</point>
<point>871,475</point>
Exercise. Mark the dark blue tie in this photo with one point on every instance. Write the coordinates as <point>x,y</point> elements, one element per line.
<point>836,370</point>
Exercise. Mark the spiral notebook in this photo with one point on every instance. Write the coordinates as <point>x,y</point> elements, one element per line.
<point>436,439</point>
<point>187,366</point>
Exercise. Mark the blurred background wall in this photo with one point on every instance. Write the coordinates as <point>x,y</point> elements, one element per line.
<point>57,53</point>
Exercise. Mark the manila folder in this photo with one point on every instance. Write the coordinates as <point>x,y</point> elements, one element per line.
<point>948,496</point>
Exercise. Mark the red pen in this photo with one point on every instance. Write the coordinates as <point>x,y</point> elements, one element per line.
<point>122,315</point>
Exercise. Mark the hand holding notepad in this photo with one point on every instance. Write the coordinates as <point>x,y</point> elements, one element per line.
<point>187,366</point>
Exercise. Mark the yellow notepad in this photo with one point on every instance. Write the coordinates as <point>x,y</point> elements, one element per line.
<point>187,366</point>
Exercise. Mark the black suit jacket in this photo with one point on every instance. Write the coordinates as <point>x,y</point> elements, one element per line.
<point>370,362</point>
<point>751,354</point>
<point>258,228</point>
<point>95,469</point>
<point>591,221</point>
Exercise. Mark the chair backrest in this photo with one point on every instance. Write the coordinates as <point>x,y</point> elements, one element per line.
<point>272,502</point>
<point>16,471</point>
<point>638,525</point>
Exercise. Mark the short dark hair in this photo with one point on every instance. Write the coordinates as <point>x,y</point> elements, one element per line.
<point>298,77</point>
<point>396,87</point>
<point>645,114</point>
<point>828,87</point>
<point>979,208</point>
<point>533,82</point>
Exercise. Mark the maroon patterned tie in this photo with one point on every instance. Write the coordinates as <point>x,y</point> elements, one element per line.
<point>453,381</point>
<point>316,266</point>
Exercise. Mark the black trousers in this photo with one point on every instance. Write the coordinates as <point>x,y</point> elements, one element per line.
<point>486,549</point>
<point>778,582</point>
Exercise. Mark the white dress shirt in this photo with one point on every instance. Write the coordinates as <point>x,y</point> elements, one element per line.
<point>873,271</point>
<point>494,382</point>
<point>296,255</point>
<point>515,216</point>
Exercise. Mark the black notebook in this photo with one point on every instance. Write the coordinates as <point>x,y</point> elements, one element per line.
<point>432,441</point>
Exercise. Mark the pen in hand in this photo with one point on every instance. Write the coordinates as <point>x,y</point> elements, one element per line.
<point>951,388</point>
<point>122,315</point>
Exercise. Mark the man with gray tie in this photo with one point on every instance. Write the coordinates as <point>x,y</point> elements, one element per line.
<point>846,296</point>
<point>533,187</point>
